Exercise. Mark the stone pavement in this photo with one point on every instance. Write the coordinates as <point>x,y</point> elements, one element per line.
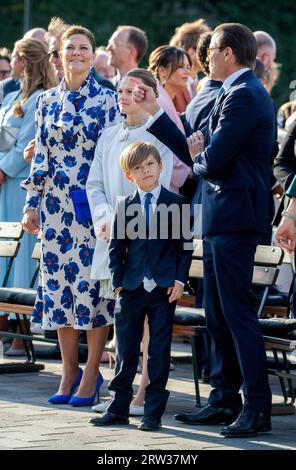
<point>28,421</point>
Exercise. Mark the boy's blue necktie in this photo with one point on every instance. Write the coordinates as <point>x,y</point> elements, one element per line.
<point>147,205</point>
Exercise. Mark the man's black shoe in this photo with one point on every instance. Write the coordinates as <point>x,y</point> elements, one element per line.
<point>248,424</point>
<point>149,424</point>
<point>210,414</point>
<point>107,419</point>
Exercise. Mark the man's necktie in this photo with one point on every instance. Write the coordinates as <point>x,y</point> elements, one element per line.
<point>147,205</point>
<point>220,94</point>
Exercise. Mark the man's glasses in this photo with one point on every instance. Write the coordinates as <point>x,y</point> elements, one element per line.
<point>3,73</point>
<point>54,53</point>
<point>211,50</point>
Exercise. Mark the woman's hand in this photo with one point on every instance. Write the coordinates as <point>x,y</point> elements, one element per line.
<point>29,151</point>
<point>30,222</point>
<point>196,144</point>
<point>144,97</point>
<point>2,177</point>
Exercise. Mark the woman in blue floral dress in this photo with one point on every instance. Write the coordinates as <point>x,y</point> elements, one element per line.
<point>70,118</point>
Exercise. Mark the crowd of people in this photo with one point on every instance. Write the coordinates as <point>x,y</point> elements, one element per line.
<point>122,166</point>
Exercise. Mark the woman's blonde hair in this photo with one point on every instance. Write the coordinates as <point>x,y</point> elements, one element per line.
<point>37,73</point>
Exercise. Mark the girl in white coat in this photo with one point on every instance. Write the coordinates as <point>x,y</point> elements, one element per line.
<point>106,182</point>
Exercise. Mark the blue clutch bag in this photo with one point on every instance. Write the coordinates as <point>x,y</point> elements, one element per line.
<point>81,205</point>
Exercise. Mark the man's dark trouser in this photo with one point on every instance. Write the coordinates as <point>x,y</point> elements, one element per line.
<point>239,356</point>
<point>129,322</point>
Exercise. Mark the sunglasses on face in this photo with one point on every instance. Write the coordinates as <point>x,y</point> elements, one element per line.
<point>54,53</point>
<point>4,72</point>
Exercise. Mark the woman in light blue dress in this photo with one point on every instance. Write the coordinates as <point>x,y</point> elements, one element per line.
<point>17,115</point>
<point>70,118</point>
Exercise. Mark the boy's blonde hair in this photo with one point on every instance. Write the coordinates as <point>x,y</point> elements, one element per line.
<point>136,153</point>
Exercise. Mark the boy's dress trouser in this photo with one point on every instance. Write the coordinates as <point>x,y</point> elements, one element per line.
<point>129,325</point>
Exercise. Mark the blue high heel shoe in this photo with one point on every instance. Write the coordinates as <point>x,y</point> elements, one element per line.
<point>88,401</point>
<point>63,399</point>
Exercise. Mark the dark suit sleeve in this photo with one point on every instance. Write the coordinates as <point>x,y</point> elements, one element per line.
<point>236,122</point>
<point>117,247</point>
<point>184,248</point>
<point>165,130</point>
<point>284,167</point>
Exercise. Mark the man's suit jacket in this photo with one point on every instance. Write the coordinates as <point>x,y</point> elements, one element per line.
<point>199,109</point>
<point>236,163</point>
<point>165,256</point>
<point>102,80</point>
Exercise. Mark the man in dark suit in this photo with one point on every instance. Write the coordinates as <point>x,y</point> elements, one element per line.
<point>232,156</point>
<point>149,266</point>
<point>198,111</point>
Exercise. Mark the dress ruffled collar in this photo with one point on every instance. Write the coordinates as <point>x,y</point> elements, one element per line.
<point>68,112</point>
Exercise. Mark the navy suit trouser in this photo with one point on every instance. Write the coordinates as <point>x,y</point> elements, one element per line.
<point>238,352</point>
<point>129,324</point>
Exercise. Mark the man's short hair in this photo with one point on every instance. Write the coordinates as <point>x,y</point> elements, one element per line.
<point>136,153</point>
<point>137,38</point>
<point>5,54</point>
<point>35,33</point>
<point>240,39</point>
<point>188,34</point>
<point>264,40</point>
<point>57,26</point>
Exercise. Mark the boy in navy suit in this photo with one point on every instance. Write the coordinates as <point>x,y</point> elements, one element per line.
<point>149,263</point>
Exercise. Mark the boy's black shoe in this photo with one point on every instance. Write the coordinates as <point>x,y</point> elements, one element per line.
<point>107,419</point>
<point>149,424</point>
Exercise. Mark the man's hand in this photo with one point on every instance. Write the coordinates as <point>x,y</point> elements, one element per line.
<point>285,236</point>
<point>196,144</point>
<point>104,231</point>
<point>118,290</point>
<point>2,177</point>
<point>278,191</point>
<point>29,151</point>
<point>175,292</point>
<point>30,222</point>
<point>144,97</point>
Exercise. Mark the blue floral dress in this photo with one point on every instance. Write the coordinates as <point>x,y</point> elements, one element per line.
<point>69,124</point>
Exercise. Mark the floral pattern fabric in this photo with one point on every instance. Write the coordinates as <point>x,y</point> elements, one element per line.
<point>69,124</point>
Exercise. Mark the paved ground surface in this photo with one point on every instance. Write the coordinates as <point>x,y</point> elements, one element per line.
<point>27,421</point>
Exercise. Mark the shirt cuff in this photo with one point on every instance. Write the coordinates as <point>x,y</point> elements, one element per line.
<point>179,282</point>
<point>155,117</point>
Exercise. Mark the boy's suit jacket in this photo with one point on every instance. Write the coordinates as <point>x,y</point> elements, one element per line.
<point>164,256</point>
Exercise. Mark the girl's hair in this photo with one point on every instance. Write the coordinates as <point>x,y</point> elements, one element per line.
<point>145,76</point>
<point>168,57</point>
<point>37,73</point>
<point>77,29</point>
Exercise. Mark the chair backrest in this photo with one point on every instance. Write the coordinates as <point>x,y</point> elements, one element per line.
<point>266,262</point>
<point>262,275</point>
<point>10,235</point>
